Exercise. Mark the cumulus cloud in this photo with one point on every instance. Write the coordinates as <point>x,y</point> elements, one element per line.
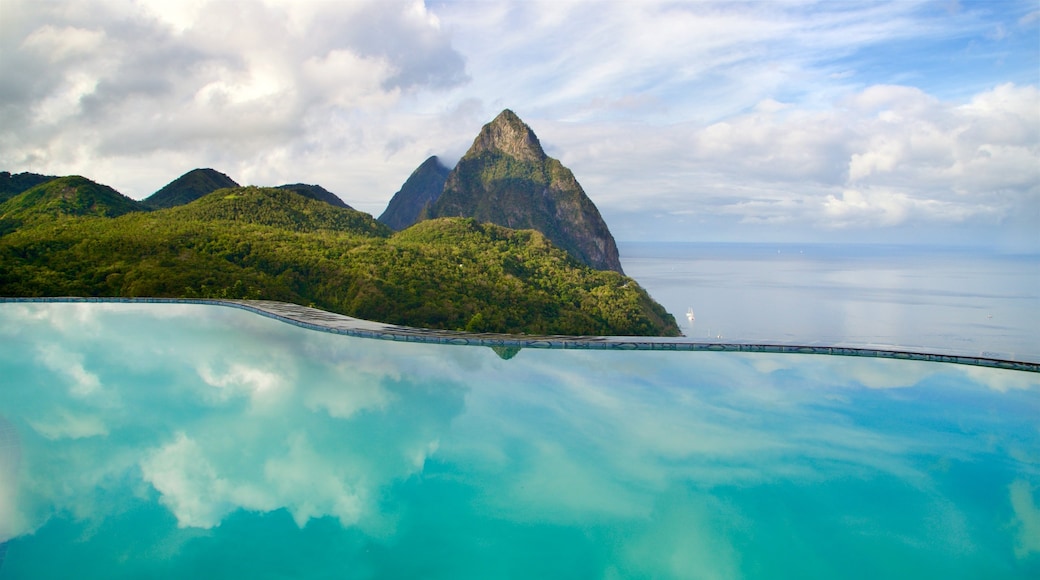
<point>343,401</point>
<point>755,116</point>
<point>70,365</point>
<point>696,118</point>
<point>1004,381</point>
<point>11,520</point>
<point>639,445</point>
<point>190,486</point>
<point>1027,519</point>
<point>247,413</point>
<point>201,484</point>
<point>261,386</point>
<point>881,157</point>
<point>63,423</point>
<point>611,439</point>
<point>154,79</point>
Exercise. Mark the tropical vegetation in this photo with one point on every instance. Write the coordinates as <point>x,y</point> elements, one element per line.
<point>73,237</point>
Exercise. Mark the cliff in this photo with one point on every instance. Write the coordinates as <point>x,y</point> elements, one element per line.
<point>507,179</point>
<point>422,188</point>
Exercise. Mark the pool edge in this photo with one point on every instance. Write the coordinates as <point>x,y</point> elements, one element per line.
<point>324,321</point>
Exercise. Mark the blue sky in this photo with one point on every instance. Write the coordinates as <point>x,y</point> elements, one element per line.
<point>702,121</point>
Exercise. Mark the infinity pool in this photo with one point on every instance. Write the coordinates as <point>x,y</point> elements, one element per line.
<point>173,441</point>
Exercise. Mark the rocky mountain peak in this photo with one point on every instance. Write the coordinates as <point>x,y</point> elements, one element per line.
<point>421,189</point>
<point>507,179</point>
<point>508,134</point>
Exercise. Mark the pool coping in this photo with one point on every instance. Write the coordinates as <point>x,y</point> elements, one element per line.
<point>324,321</point>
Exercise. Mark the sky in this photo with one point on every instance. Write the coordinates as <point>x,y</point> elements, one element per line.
<point>786,121</point>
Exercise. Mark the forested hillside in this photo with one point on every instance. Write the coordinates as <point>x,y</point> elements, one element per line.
<point>62,198</point>
<point>252,242</point>
<point>12,185</point>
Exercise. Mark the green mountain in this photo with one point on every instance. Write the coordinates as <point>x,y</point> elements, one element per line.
<point>422,188</point>
<point>316,192</point>
<point>251,242</point>
<point>507,179</point>
<point>189,187</point>
<point>12,185</point>
<point>280,208</point>
<point>64,197</point>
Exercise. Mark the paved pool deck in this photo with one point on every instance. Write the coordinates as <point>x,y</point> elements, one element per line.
<point>323,321</point>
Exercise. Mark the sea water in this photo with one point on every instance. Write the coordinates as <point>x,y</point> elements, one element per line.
<point>177,441</point>
<point>959,300</point>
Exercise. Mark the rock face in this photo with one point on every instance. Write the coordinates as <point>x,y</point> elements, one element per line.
<point>421,189</point>
<point>507,179</point>
<point>189,187</point>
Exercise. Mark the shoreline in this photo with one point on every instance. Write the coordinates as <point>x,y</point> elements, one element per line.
<point>324,321</point>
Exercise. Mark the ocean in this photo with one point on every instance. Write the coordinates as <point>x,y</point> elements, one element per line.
<point>958,300</point>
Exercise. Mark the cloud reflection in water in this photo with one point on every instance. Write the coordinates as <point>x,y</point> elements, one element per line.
<point>630,463</point>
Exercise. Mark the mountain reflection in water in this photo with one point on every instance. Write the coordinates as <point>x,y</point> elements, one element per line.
<point>186,440</point>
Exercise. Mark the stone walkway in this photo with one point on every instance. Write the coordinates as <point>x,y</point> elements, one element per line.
<point>320,320</point>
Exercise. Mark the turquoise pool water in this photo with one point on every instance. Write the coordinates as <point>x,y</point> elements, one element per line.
<point>203,441</point>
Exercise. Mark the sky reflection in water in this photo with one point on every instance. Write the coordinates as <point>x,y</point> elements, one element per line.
<point>172,441</point>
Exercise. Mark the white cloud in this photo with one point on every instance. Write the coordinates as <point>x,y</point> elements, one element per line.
<point>65,424</point>
<point>1003,380</point>
<point>11,519</point>
<point>563,436</point>
<point>1027,519</point>
<point>311,486</point>
<point>238,376</point>
<point>606,448</point>
<point>59,44</point>
<point>83,382</point>
<point>267,386</point>
<point>169,81</point>
<point>882,208</point>
<point>878,158</point>
<point>180,16</point>
<point>191,487</point>
<point>756,116</point>
<point>362,392</point>
<point>245,413</point>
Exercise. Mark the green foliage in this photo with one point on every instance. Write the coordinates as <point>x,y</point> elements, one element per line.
<point>315,192</point>
<point>278,207</point>
<point>273,244</point>
<point>12,185</point>
<point>491,278</point>
<point>506,352</point>
<point>71,196</point>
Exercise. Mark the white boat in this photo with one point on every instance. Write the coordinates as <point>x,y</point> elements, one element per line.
<point>689,314</point>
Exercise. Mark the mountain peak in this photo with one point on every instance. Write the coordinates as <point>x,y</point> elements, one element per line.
<point>12,185</point>
<point>508,134</point>
<point>421,189</point>
<point>316,192</point>
<point>189,187</point>
<point>507,179</point>
<point>69,196</point>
